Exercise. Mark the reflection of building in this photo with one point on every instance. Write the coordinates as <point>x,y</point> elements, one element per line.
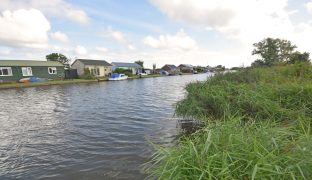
<point>134,67</point>
<point>171,69</point>
<point>14,70</point>
<point>186,68</point>
<point>99,68</point>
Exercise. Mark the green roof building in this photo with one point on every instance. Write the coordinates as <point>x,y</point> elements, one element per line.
<point>14,70</point>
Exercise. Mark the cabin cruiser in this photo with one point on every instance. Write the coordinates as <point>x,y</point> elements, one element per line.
<point>117,77</point>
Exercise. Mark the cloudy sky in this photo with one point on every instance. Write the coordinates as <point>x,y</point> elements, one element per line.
<point>198,32</point>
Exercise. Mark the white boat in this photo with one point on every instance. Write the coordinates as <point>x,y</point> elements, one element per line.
<point>117,77</point>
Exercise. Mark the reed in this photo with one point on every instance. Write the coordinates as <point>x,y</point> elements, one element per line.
<point>258,125</point>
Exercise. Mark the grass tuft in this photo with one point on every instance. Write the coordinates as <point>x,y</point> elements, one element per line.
<point>258,126</point>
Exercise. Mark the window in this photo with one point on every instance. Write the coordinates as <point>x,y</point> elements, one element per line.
<point>26,71</point>
<point>52,70</point>
<point>95,71</point>
<point>5,71</point>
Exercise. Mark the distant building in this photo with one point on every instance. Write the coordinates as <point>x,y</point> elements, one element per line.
<point>99,68</point>
<point>148,71</point>
<point>171,69</point>
<point>14,70</point>
<point>186,68</point>
<point>134,67</point>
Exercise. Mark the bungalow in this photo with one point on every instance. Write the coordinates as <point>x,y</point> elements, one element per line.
<point>186,68</point>
<point>134,67</point>
<point>14,70</point>
<point>98,68</point>
<point>171,69</point>
<point>148,71</point>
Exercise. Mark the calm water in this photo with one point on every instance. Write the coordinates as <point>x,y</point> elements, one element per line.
<point>87,131</point>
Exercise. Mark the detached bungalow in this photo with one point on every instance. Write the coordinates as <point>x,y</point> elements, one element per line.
<point>186,68</point>
<point>171,69</point>
<point>14,70</point>
<point>98,68</point>
<point>134,67</point>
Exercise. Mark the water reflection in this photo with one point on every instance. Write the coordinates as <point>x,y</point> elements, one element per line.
<point>87,131</point>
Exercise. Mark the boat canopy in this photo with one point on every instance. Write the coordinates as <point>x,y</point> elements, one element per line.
<point>115,75</point>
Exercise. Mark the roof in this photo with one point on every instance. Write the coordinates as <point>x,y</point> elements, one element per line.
<point>186,65</point>
<point>29,63</point>
<point>171,66</point>
<point>122,64</point>
<point>93,62</point>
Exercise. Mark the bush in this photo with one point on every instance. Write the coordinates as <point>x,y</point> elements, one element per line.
<point>127,72</point>
<point>87,75</point>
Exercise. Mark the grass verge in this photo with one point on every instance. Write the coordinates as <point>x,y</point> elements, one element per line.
<point>46,83</point>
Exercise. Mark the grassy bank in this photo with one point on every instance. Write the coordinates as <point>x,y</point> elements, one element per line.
<point>257,127</point>
<point>46,83</point>
<point>61,82</point>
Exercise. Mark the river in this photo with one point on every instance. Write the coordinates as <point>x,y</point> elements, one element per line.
<point>87,131</point>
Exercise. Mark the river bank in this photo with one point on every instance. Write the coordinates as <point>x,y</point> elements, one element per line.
<point>257,126</point>
<point>63,82</point>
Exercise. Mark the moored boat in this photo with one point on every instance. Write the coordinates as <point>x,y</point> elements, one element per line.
<point>117,77</point>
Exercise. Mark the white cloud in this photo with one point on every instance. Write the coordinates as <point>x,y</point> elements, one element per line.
<point>58,8</point>
<point>178,41</point>
<point>118,36</point>
<point>60,36</point>
<point>24,28</point>
<point>244,21</point>
<point>78,16</point>
<point>241,19</point>
<point>131,47</point>
<point>81,50</point>
<point>309,6</point>
<point>101,49</point>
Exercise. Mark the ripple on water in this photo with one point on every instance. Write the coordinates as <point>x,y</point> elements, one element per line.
<point>87,131</point>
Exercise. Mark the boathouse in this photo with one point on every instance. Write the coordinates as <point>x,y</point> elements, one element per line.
<point>134,67</point>
<point>14,70</point>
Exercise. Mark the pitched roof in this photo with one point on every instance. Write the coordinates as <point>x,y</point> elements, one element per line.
<point>171,66</point>
<point>93,62</point>
<point>186,65</point>
<point>122,64</point>
<point>29,63</point>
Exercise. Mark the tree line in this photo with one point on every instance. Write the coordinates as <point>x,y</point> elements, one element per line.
<point>277,51</point>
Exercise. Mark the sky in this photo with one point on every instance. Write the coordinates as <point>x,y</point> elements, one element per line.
<point>198,32</point>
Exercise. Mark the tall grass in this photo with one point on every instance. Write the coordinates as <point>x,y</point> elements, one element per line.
<point>257,127</point>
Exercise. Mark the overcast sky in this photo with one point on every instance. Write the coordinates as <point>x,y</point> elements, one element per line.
<point>198,32</point>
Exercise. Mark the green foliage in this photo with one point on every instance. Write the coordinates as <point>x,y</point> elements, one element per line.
<point>273,51</point>
<point>127,72</point>
<point>298,57</point>
<point>230,149</point>
<point>87,74</point>
<point>57,57</point>
<point>257,122</point>
<point>139,62</point>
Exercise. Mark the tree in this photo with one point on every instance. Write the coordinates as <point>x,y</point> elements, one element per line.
<point>154,68</point>
<point>139,62</point>
<point>299,57</point>
<point>273,51</point>
<point>57,57</point>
